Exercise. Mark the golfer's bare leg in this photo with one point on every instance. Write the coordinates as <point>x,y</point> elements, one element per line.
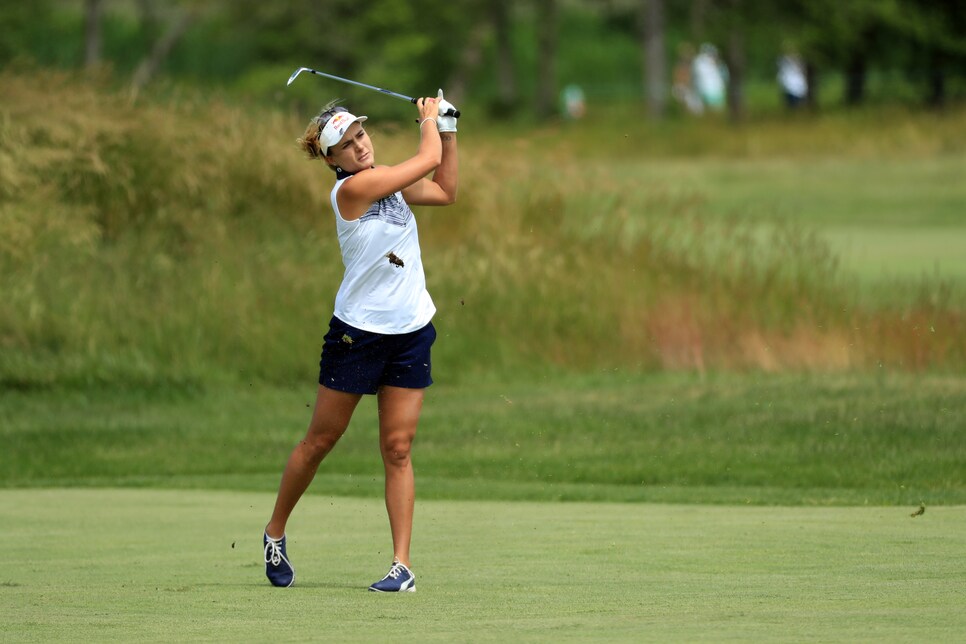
<point>333,410</point>
<point>398,415</point>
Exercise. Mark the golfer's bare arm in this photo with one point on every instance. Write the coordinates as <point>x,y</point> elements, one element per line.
<point>368,186</point>
<point>441,189</point>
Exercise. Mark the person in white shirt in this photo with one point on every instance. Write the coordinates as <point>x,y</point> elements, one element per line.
<point>792,79</point>
<point>380,335</point>
<point>710,77</point>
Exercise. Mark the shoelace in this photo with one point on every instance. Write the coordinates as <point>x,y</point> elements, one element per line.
<point>273,552</point>
<point>395,571</point>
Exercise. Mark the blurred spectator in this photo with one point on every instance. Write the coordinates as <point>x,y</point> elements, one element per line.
<point>683,83</point>
<point>791,77</point>
<point>574,106</point>
<point>710,77</point>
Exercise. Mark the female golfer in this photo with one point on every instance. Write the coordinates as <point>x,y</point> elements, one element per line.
<point>380,335</point>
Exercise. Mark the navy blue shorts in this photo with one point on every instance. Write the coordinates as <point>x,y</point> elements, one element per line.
<point>359,362</point>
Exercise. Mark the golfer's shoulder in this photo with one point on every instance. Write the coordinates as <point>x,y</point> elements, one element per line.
<point>356,182</point>
<point>377,181</point>
<point>365,176</point>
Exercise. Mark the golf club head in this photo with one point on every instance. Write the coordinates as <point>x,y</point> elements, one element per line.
<point>295,74</point>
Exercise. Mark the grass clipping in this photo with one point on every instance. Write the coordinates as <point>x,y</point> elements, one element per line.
<point>187,238</point>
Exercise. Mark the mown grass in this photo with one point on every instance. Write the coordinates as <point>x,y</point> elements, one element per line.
<point>887,220</point>
<point>761,439</point>
<point>186,241</point>
<point>83,565</point>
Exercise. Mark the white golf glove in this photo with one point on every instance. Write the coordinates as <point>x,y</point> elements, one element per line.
<point>445,123</point>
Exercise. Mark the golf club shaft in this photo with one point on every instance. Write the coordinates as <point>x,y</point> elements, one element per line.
<point>352,82</point>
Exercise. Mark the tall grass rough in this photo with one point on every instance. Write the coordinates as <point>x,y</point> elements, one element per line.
<point>185,239</point>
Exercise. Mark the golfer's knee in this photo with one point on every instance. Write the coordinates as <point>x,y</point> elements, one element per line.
<point>395,451</point>
<point>318,444</point>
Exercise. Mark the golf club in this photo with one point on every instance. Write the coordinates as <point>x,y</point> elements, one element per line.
<point>298,71</point>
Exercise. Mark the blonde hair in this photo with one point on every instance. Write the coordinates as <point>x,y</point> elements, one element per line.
<point>310,139</point>
<point>310,142</point>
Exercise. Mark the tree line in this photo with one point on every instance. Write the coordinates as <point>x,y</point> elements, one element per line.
<point>505,53</point>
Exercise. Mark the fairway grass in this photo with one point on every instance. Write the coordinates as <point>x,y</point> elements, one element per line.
<point>891,254</point>
<point>152,565</point>
<point>887,219</point>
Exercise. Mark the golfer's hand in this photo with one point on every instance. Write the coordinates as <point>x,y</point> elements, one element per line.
<point>428,109</point>
<point>443,122</point>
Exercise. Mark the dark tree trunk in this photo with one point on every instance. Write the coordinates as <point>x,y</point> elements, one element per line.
<point>736,73</point>
<point>546,58</point>
<point>937,88</point>
<point>811,78</point>
<point>153,61</point>
<point>469,61</point>
<point>655,59</point>
<point>92,32</point>
<point>936,93</point>
<point>855,79</point>
<point>505,73</point>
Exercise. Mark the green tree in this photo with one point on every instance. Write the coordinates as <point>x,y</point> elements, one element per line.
<point>21,24</point>
<point>935,33</point>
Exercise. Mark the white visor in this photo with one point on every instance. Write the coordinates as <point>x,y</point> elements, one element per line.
<point>335,129</point>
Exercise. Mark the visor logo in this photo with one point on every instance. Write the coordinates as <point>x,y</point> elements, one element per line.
<point>338,120</point>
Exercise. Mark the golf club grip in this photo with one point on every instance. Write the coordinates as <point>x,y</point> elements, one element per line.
<point>454,113</point>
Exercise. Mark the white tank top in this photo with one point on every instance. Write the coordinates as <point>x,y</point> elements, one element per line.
<point>384,287</point>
